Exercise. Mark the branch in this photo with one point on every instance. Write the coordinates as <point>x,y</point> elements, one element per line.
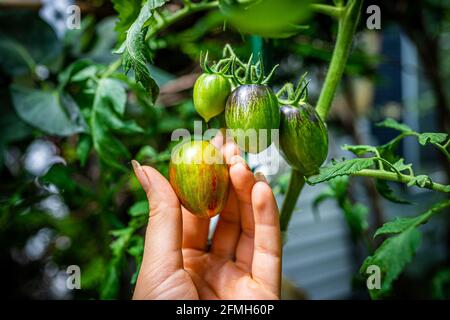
<point>290,200</point>
<point>346,31</point>
<point>401,178</point>
<point>332,11</point>
<point>178,15</point>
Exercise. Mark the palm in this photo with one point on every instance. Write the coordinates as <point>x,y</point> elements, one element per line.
<point>243,260</point>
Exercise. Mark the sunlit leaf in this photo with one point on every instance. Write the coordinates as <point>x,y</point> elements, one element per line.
<point>343,168</point>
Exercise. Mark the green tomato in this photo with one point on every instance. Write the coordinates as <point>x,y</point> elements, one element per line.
<point>303,138</point>
<point>249,109</point>
<point>210,95</point>
<point>199,176</point>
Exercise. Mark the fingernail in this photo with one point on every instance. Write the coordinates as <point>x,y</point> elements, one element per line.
<point>136,165</point>
<point>238,159</point>
<point>260,177</point>
<point>141,175</point>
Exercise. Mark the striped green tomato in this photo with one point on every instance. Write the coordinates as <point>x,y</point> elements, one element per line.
<point>252,112</point>
<point>303,138</point>
<point>199,176</point>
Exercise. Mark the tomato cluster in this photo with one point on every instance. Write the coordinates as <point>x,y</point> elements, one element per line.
<point>241,92</point>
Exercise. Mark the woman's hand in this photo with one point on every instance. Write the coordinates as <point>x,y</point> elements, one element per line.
<point>244,259</point>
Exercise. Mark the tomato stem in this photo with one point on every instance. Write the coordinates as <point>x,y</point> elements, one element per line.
<point>346,31</point>
<point>296,184</point>
<point>348,20</point>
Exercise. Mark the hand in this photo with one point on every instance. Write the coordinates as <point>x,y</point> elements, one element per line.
<point>244,260</point>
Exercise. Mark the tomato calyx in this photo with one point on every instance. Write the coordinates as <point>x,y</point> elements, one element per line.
<point>250,73</point>
<point>222,67</point>
<point>288,95</point>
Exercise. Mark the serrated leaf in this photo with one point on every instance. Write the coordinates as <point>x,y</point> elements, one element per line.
<point>388,151</point>
<point>392,124</point>
<point>139,209</point>
<point>359,150</point>
<point>51,111</point>
<point>401,224</point>
<point>392,257</point>
<point>385,191</point>
<point>128,11</point>
<point>401,166</point>
<point>432,137</point>
<point>136,53</point>
<point>344,168</point>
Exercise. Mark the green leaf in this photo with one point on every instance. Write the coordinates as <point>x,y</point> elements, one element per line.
<point>108,107</point>
<point>391,123</point>
<point>421,181</point>
<point>396,252</point>
<point>401,224</point>
<point>432,137</point>
<point>52,111</point>
<point>136,53</point>
<point>111,282</point>
<point>391,257</point>
<point>355,215</point>
<point>384,190</point>
<point>401,166</point>
<point>441,284</point>
<point>136,250</point>
<point>128,11</point>
<point>83,148</point>
<point>388,150</point>
<point>139,209</point>
<point>359,150</point>
<point>29,43</point>
<point>76,69</point>
<point>344,168</point>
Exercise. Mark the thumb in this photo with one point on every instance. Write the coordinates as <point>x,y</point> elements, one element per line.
<point>162,251</point>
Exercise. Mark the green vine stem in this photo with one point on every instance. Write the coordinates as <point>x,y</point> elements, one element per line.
<point>347,26</point>
<point>348,21</point>
<point>295,187</point>
<point>402,178</point>
<point>188,9</point>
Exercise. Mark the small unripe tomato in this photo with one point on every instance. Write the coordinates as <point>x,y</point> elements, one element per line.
<point>210,95</point>
<point>199,176</point>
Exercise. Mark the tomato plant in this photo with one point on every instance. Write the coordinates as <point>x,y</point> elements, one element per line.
<point>116,88</point>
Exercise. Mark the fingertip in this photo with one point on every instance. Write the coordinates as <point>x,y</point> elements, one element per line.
<point>159,189</point>
<point>229,150</point>
<point>140,175</point>
<point>264,203</point>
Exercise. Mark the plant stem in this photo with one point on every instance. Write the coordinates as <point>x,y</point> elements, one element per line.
<point>178,15</point>
<point>112,68</point>
<point>347,26</point>
<point>348,21</point>
<point>332,11</point>
<point>392,176</point>
<point>295,186</point>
